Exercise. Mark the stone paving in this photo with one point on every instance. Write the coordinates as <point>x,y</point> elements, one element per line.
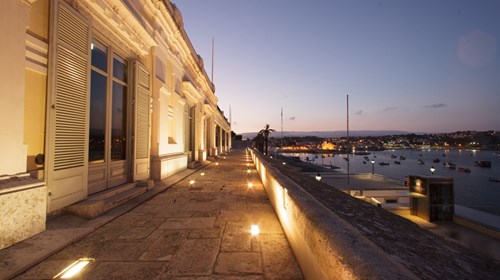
<point>198,229</point>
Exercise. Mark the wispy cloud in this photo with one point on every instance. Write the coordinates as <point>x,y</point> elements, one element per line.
<point>436,106</point>
<point>235,123</point>
<point>291,118</point>
<point>359,113</point>
<point>390,109</point>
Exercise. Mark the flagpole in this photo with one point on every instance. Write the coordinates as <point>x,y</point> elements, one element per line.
<point>348,142</point>
<point>281,148</point>
<point>213,59</point>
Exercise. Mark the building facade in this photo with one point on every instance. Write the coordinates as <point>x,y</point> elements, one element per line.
<point>100,93</point>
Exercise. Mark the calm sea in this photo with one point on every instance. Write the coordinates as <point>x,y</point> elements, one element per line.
<point>472,189</point>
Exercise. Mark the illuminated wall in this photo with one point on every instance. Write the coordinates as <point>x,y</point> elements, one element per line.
<point>325,246</point>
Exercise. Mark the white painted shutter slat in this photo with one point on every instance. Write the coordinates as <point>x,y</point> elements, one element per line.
<point>68,97</point>
<point>142,122</point>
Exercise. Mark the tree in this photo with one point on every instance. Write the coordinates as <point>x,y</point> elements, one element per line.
<point>265,134</point>
<point>258,142</point>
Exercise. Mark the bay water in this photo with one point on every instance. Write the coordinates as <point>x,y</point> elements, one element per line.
<point>473,190</point>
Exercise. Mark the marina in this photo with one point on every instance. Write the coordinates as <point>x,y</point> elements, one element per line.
<point>476,186</point>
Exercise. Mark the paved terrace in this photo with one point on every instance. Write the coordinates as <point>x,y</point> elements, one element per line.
<point>193,230</point>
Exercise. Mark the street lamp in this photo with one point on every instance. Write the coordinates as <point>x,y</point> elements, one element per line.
<point>318,176</point>
<point>432,170</point>
<point>373,166</point>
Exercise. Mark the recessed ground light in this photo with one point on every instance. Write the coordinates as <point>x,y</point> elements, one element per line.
<point>254,230</point>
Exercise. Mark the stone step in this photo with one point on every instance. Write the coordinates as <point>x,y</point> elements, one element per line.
<point>194,164</point>
<point>99,203</point>
<point>111,192</point>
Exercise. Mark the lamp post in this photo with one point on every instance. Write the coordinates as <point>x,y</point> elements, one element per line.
<point>373,166</point>
<point>432,170</point>
<point>318,176</point>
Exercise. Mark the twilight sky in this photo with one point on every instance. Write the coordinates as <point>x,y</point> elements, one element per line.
<point>422,66</point>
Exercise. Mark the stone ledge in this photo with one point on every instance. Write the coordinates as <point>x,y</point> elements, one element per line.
<point>328,230</point>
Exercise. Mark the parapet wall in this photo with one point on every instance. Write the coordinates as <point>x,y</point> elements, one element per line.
<point>325,246</point>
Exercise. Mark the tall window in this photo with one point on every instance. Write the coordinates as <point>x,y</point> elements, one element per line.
<point>119,110</point>
<point>98,89</point>
<point>108,105</point>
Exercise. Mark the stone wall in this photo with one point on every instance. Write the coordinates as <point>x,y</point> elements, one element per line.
<point>335,236</point>
<point>23,202</point>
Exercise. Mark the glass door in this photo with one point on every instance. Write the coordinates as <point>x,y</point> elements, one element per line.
<point>108,133</point>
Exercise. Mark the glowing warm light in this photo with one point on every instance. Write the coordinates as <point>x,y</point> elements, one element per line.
<point>250,185</point>
<point>202,174</point>
<point>284,163</point>
<point>216,163</point>
<point>74,268</point>
<point>254,230</point>
<point>191,182</point>
<point>248,164</point>
<point>318,177</point>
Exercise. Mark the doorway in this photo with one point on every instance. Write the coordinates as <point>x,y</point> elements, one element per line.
<point>109,133</point>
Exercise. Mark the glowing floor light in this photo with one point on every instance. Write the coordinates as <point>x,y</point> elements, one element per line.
<point>254,230</point>
<point>191,182</point>
<point>248,170</point>
<point>250,185</point>
<point>74,268</point>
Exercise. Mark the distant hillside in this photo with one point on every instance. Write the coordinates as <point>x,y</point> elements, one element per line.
<point>328,134</point>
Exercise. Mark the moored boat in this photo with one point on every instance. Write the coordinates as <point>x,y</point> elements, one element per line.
<point>383,163</point>
<point>464,170</point>
<point>493,179</point>
<point>483,163</point>
<point>450,165</point>
<point>419,161</point>
<point>397,162</point>
<point>436,160</point>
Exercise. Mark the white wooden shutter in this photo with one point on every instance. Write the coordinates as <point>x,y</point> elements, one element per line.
<point>67,107</point>
<point>142,94</point>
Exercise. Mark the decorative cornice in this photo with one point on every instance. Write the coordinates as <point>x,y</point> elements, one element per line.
<point>114,18</point>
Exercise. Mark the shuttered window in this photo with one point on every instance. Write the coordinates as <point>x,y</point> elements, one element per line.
<point>71,90</point>
<point>142,136</point>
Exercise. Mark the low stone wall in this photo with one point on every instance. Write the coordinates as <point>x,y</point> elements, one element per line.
<point>336,236</point>
<point>325,246</point>
<point>23,202</point>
